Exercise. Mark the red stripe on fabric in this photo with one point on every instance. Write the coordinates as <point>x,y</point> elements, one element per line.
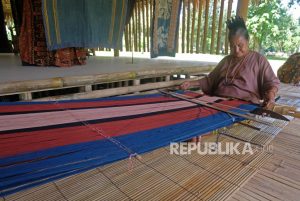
<point>39,140</point>
<point>74,105</point>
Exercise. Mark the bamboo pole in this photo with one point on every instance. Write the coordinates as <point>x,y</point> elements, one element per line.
<point>129,36</point>
<point>126,38</point>
<point>205,26</point>
<point>144,31</point>
<point>199,26</point>
<point>135,27</point>
<point>183,27</point>
<point>242,8</point>
<point>193,26</point>
<point>139,26</point>
<point>115,91</point>
<point>147,24</point>
<point>188,26</point>
<point>228,17</point>
<point>213,32</point>
<point>220,27</point>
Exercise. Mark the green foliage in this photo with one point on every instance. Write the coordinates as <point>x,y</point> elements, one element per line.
<point>271,26</point>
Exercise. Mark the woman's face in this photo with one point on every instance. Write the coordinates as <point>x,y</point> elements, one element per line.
<point>238,46</point>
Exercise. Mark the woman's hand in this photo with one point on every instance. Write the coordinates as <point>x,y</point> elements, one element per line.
<point>269,100</point>
<point>185,85</point>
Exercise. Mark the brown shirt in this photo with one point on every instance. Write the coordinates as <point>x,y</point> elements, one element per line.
<point>247,78</point>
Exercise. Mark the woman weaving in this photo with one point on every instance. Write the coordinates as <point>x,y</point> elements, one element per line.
<point>243,74</point>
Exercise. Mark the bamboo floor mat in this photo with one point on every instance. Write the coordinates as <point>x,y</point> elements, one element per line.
<point>279,178</point>
<point>157,176</point>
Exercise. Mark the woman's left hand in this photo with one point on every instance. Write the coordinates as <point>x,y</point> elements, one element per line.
<point>269,100</point>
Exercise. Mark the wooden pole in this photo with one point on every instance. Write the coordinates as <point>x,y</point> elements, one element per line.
<point>199,26</point>
<point>138,3</point>
<point>213,31</point>
<point>183,27</point>
<point>129,36</point>
<point>147,24</point>
<point>144,30</point>
<point>126,38</point>
<point>135,28</point>
<point>220,27</point>
<point>188,27</point>
<point>205,26</point>
<point>242,8</point>
<point>193,27</point>
<point>228,17</point>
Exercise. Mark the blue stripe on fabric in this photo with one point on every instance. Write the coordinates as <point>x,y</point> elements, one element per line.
<point>70,159</point>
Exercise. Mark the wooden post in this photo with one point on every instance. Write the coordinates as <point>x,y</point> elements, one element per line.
<point>138,3</point>
<point>193,27</point>
<point>168,78</point>
<point>136,82</point>
<point>199,26</point>
<point>213,31</point>
<point>126,38</point>
<point>188,27</point>
<point>220,27</point>
<point>135,28</point>
<point>129,36</point>
<point>242,8</point>
<point>27,96</point>
<point>116,53</point>
<point>147,24</point>
<point>205,26</point>
<point>144,31</point>
<point>228,17</point>
<point>183,27</point>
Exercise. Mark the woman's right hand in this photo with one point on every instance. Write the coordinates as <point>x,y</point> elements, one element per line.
<point>185,85</point>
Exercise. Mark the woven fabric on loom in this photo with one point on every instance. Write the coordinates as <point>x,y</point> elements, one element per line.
<point>45,141</point>
<point>165,28</point>
<point>79,23</point>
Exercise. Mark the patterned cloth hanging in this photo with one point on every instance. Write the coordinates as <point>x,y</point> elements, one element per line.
<point>45,141</point>
<point>80,23</point>
<point>165,27</point>
<point>289,72</point>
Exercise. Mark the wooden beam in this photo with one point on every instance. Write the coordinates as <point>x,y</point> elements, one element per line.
<point>188,26</point>
<point>138,3</point>
<point>147,25</point>
<point>213,31</point>
<point>193,27</point>
<point>205,27</point>
<point>242,8</point>
<point>228,17</point>
<point>220,27</point>
<point>130,35</point>
<point>134,27</point>
<point>115,91</point>
<point>144,30</point>
<point>199,26</point>
<point>183,27</point>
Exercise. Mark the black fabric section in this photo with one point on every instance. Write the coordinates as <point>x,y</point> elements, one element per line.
<point>17,12</point>
<point>5,46</point>
<point>95,121</point>
<point>130,6</point>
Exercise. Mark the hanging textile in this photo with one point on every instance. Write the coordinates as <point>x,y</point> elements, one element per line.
<point>165,27</point>
<point>32,41</point>
<point>5,46</point>
<point>80,23</point>
<point>45,141</point>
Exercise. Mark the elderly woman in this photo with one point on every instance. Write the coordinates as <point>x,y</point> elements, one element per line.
<point>243,74</point>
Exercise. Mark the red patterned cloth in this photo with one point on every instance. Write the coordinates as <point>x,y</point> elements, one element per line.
<point>33,48</point>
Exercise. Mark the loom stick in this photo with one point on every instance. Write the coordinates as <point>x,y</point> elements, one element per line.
<point>246,116</point>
